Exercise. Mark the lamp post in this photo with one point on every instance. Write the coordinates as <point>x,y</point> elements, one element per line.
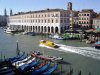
<point>17,49</point>
<point>71,22</point>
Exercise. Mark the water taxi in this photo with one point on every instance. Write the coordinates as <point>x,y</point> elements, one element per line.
<point>48,43</point>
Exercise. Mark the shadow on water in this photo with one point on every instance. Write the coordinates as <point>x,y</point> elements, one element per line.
<point>64,62</point>
<point>59,72</point>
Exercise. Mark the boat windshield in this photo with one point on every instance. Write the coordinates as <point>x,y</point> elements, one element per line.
<point>44,41</point>
<point>52,43</point>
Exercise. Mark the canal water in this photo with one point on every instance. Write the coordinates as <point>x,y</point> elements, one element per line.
<point>76,55</point>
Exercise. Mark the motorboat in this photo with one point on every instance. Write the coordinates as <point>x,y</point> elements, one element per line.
<point>57,37</point>
<point>29,33</point>
<point>48,43</point>
<point>97,45</point>
<point>47,58</point>
<point>8,30</point>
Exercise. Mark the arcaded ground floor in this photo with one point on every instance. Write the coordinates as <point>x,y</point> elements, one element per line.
<point>40,29</point>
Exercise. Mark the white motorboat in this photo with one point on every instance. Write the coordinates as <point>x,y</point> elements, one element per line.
<point>56,37</point>
<point>8,30</point>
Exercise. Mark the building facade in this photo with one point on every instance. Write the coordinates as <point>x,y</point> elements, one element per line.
<point>43,21</point>
<point>3,20</point>
<point>96,23</point>
<point>86,18</point>
<point>74,19</point>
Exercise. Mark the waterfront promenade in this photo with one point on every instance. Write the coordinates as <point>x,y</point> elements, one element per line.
<point>71,59</point>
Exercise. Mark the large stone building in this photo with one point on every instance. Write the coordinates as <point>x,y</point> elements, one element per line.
<point>73,15</point>
<point>43,21</point>
<point>3,19</point>
<point>96,23</point>
<point>74,19</point>
<point>86,18</point>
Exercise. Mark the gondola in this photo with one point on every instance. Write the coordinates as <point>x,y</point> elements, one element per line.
<point>42,69</point>
<point>23,63</point>
<point>24,60</point>
<point>28,66</point>
<point>6,71</point>
<point>50,71</point>
<point>17,57</point>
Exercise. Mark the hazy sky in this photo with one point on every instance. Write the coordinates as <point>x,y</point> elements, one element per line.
<point>31,5</point>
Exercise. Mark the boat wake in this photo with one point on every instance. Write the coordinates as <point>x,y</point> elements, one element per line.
<point>85,51</point>
<point>46,46</point>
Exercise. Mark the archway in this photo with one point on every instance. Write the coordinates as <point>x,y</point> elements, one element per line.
<point>56,29</point>
<point>52,30</point>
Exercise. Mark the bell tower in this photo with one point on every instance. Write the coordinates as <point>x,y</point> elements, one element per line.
<point>11,13</point>
<point>69,6</point>
<point>5,12</point>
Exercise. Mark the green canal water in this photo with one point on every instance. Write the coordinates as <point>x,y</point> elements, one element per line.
<point>84,57</point>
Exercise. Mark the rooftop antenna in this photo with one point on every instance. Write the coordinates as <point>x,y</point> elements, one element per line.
<point>17,49</point>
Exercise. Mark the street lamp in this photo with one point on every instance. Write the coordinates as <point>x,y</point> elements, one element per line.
<point>71,20</point>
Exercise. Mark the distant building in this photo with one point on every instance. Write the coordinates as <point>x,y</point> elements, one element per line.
<point>96,23</point>
<point>11,13</point>
<point>3,19</point>
<point>86,18</point>
<point>5,12</point>
<point>74,19</point>
<point>73,15</point>
<point>43,21</point>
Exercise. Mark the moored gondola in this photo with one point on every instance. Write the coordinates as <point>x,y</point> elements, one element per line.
<point>51,70</point>
<point>42,69</point>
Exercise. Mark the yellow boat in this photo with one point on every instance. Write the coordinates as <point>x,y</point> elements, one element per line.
<point>48,43</point>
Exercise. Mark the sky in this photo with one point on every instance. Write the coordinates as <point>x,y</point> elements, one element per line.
<point>33,5</point>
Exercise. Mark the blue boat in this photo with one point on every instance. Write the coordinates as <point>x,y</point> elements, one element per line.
<point>11,73</point>
<point>51,70</point>
<point>17,57</point>
<point>40,70</point>
<point>31,33</point>
<point>26,67</point>
<point>97,45</point>
<point>6,71</point>
<point>3,68</point>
